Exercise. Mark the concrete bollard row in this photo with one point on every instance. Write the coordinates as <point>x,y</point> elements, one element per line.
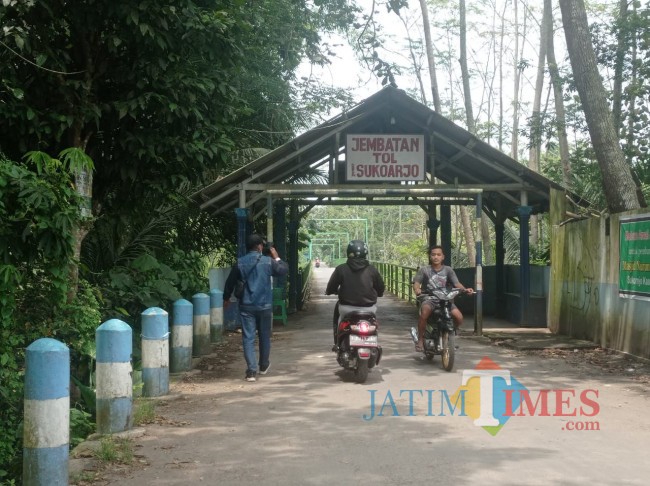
<point>201,329</point>
<point>182,331</point>
<point>216,315</point>
<point>114,341</point>
<point>46,433</point>
<point>46,436</point>
<point>155,352</point>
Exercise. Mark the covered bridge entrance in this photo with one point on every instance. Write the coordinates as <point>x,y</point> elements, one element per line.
<point>390,150</point>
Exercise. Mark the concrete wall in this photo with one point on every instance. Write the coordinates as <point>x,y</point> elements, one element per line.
<point>583,295</point>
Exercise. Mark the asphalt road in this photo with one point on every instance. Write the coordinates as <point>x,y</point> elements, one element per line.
<point>304,424</point>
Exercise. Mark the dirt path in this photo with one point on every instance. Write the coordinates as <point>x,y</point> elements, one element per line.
<point>303,422</point>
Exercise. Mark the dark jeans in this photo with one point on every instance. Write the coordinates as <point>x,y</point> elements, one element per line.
<point>260,321</point>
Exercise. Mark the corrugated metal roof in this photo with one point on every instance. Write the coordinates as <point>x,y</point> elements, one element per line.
<point>459,160</point>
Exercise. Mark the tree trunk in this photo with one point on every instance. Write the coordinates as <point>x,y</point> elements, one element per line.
<point>430,58</point>
<point>536,116</point>
<point>416,66</point>
<point>620,189</point>
<point>471,127</point>
<point>469,112</point>
<point>514,143</point>
<point>621,48</point>
<point>633,84</point>
<point>556,81</point>
<point>503,23</point>
<point>536,123</point>
<point>84,187</point>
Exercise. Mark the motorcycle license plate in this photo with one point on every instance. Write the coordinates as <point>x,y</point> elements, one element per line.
<point>363,341</point>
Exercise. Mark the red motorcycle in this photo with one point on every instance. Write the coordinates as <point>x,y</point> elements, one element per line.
<point>357,343</point>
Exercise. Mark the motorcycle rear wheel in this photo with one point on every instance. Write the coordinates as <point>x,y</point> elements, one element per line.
<point>361,371</point>
<point>448,350</point>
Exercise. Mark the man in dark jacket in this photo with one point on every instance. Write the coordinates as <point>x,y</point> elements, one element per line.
<point>255,306</point>
<point>357,282</point>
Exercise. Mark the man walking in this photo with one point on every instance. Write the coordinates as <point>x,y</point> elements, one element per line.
<point>256,303</point>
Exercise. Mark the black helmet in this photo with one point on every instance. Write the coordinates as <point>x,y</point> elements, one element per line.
<point>357,249</point>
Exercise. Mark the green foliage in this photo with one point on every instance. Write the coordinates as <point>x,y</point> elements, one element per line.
<point>142,283</point>
<point>586,179</point>
<point>623,42</point>
<point>81,426</point>
<point>37,210</point>
<point>152,96</point>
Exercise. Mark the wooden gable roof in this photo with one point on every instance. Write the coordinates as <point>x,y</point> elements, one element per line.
<point>460,163</point>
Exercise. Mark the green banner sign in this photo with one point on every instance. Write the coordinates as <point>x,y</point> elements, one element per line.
<point>634,269</point>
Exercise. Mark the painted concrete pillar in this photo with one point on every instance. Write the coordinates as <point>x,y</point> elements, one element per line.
<point>114,341</point>
<point>478,286</point>
<point>155,352</point>
<point>299,284</point>
<point>216,315</point>
<point>181,342</point>
<point>433,225</point>
<point>524,262</point>
<point>201,328</point>
<point>292,260</point>
<point>500,258</point>
<point>46,424</point>
<point>242,230</point>
<point>445,232</point>
<point>280,238</point>
<point>280,227</point>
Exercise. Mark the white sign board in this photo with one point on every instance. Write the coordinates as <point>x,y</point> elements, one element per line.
<point>385,157</point>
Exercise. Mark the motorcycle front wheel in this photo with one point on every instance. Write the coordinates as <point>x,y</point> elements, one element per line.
<point>448,350</point>
<point>361,372</point>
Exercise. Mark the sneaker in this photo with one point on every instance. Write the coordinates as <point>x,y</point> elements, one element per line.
<point>250,376</point>
<point>265,369</point>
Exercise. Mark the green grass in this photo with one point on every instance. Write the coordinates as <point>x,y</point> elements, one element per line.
<point>114,449</point>
<point>144,412</point>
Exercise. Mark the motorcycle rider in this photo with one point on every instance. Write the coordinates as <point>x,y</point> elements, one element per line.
<point>357,283</point>
<point>429,278</point>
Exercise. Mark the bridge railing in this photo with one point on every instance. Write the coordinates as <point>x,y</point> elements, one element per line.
<point>398,279</point>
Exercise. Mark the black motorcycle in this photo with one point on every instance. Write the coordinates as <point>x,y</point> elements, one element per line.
<point>440,335</point>
<point>357,343</point>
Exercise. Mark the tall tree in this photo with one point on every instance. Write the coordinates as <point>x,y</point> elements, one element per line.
<point>535,141</point>
<point>430,57</point>
<point>556,81</point>
<point>514,144</point>
<point>464,71</point>
<point>620,188</point>
<point>157,93</point>
<point>501,84</point>
<point>621,49</point>
<point>469,118</point>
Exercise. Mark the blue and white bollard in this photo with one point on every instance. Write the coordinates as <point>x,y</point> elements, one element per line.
<point>46,425</point>
<point>182,329</point>
<point>216,315</point>
<point>155,352</point>
<point>114,382</point>
<point>201,329</point>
